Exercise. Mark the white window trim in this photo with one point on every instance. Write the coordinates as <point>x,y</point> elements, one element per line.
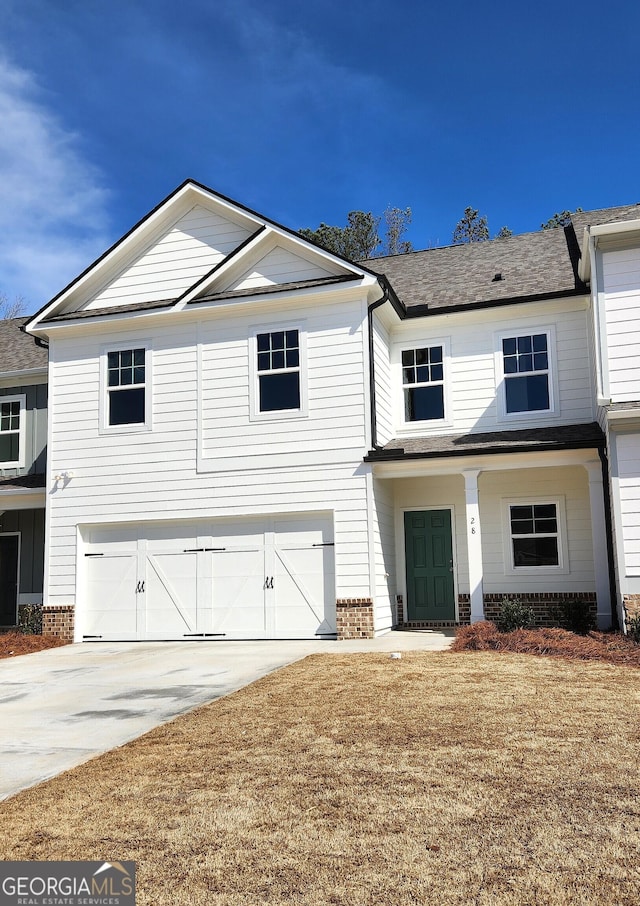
<point>104,426</point>
<point>20,462</point>
<point>563,555</point>
<point>277,415</point>
<point>421,427</point>
<point>526,331</point>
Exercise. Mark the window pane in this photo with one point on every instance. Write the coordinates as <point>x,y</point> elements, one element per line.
<point>521,512</point>
<point>114,377</point>
<point>292,339</point>
<point>112,359</point>
<point>437,373</point>
<point>138,374</point>
<point>409,375</point>
<point>277,359</point>
<point>126,357</point>
<point>540,342</point>
<point>126,407</point>
<point>263,342</point>
<point>524,344</point>
<point>545,510</point>
<point>525,362</point>
<point>138,356</point>
<point>509,346</point>
<point>263,361</point>
<point>126,376</point>
<point>9,447</point>
<point>522,526</point>
<point>535,552</point>
<point>424,403</point>
<point>292,358</point>
<point>422,356</point>
<point>408,357</point>
<point>422,374</point>
<point>435,355</point>
<point>279,391</point>
<point>527,394</point>
<point>510,364</point>
<point>277,340</point>
<point>540,361</point>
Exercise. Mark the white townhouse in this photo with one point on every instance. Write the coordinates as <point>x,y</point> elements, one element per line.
<point>250,437</point>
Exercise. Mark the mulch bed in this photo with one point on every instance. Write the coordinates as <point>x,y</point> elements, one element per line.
<point>14,643</point>
<point>610,647</point>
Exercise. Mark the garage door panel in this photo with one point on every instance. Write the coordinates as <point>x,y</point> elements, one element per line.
<point>304,600</point>
<point>171,595</point>
<point>239,592</point>
<point>110,605</point>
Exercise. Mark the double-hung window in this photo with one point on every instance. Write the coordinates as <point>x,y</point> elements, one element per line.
<point>535,534</point>
<point>279,375</point>
<point>526,373</point>
<point>12,414</point>
<point>126,375</point>
<point>423,383</point>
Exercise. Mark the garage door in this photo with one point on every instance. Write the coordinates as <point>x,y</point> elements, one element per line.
<point>255,578</point>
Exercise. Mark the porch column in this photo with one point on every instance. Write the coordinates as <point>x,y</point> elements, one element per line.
<point>474,543</point>
<point>599,541</point>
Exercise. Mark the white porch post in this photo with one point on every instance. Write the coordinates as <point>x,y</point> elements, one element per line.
<point>599,541</point>
<point>474,543</point>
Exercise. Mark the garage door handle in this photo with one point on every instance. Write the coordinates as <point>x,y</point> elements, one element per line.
<point>268,582</point>
<point>140,588</point>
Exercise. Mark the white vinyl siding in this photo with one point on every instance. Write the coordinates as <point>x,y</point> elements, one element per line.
<point>384,553</point>
<point>621,286</point>
<point>628,459</point>
<point>472,399</point>
<point>155,475</point>
<point>279,266</point>
<point>382,373</point>
<point>174,260</point>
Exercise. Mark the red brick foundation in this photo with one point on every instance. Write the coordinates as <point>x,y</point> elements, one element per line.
<point>546,607</point>
<point>57,621</point>
<point>354,618</point>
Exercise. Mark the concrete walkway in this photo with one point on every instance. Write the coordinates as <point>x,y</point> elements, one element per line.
<point>63,706</point>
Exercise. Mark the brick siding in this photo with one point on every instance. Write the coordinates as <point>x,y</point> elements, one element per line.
<point>631,604</point>
<point>354,618</point>
<point>544,605</point>
<point>57,621</point>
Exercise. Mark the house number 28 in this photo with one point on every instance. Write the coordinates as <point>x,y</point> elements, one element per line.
<point>473,525</point>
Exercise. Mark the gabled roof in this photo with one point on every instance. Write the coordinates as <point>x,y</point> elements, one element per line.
<point>18,351</point>
<point>226,245</point>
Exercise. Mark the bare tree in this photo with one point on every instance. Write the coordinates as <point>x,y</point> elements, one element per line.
<point>11,308</point>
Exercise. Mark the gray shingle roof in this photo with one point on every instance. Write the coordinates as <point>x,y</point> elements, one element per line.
<point>19,351</point>
<point>531,264</point>
<point>547,438</point>
<point>35,481</point>
<point>603,215</point>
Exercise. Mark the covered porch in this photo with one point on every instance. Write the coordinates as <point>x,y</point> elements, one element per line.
<point>22,526</point>
<point>492,520</point>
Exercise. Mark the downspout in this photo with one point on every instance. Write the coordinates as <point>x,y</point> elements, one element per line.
<point>37,340</point>
<point>372,377</point>
<point>613,591</point>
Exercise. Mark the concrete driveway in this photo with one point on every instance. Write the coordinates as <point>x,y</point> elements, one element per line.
<point>63,706</point>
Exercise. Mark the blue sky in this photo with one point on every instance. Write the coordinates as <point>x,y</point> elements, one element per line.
<point>305,110</point>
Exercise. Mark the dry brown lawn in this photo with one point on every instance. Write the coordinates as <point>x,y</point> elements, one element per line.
<point>445,778</point>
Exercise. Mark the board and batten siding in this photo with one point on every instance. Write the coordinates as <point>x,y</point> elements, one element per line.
<point>174,260</point>
<point>382,383</point>
<point>621,289</point>
<point>628,464</point>
<point>35,460</point>
<point>154,475</point>
<point>472,389</point>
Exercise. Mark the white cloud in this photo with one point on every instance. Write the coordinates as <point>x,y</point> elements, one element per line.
<point>52,205</point>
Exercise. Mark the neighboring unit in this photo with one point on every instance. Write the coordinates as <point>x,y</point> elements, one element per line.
<point>254,438</point>
<point>23,448</point>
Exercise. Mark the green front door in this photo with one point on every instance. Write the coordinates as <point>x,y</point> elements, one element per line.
<point>429,566</point>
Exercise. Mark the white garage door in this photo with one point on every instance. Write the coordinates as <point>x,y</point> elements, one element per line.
<point>262,578</point>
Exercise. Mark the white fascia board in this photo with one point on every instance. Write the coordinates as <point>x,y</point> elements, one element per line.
<point>584,265</point>
<point>623,414</point>
<point>499,462</point>
<point>29,373</point>
<point>613,229</point>
<point>23,499</point>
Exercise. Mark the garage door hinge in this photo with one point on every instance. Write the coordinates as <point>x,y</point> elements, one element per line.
<point>94,555</point>
<point>324,544</point>
<point>201,550</point>
<point>203,635</point>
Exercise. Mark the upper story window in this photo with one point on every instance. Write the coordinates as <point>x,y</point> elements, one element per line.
<point>278,386</point>
<point>126,388</point>
<point>525,366</point>
<point>423,383</point>
<point>278,370</point>
<point>12,418</point>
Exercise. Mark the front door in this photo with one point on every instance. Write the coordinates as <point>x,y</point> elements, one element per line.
<point>429,566</point>
<point>8,580</point>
